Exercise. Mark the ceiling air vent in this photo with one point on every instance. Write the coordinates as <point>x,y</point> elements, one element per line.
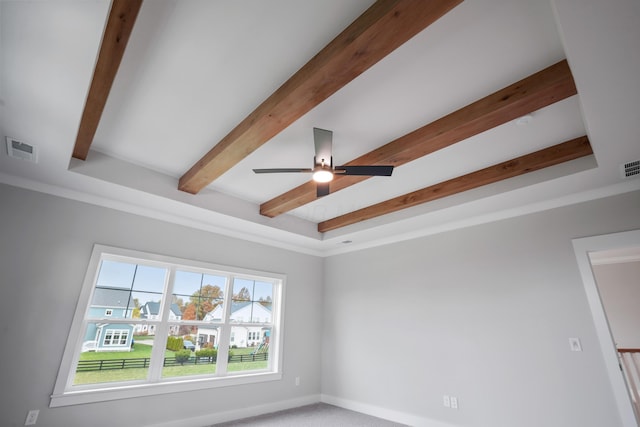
<point>21,150</point>
<point>631,169</point>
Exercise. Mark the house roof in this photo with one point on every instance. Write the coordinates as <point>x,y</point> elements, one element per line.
<point>153,308</point>
<point>237,307</point>
<point>110,297</point>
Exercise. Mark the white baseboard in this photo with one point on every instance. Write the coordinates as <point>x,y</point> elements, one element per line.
<point>384,413</point>
<point>251,411</point>
<point>235,414</point>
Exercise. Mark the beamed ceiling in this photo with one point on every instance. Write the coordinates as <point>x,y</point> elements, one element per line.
<point>485,108</point>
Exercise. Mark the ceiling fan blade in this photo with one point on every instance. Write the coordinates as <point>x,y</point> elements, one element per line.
<point>322,140</point>
<point>322,189</point>
<point>283,170</point>
<point>364,170</point>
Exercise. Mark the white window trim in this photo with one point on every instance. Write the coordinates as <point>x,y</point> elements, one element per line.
<point>115,333</point>
<point>64,394</point>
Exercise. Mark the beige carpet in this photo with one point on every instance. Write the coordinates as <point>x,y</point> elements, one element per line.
<point>316,415</point>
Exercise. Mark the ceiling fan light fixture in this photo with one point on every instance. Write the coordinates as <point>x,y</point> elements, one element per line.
<point>321,174</point>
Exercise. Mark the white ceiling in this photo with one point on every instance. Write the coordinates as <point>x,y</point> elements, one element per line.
<point>194,69</point>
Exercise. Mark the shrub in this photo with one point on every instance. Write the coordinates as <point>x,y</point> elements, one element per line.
<point>182,356</point>
<point>207,352</point>
<point>175,343</point>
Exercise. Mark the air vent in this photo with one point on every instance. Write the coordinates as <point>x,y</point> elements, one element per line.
<point>631,169</point>
<point>21,150</point>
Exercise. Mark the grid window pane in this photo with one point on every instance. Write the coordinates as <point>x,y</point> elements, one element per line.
<point>108,354</point>
<point>191,351</point>
<point>250,351</point>
<point>252,301</point>
<point>115,274</point>
<point>149,279</point>
<point>199,296</point>
<point>127,290</point>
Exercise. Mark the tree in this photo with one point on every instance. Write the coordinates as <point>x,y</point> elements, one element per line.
<point>189,313</point>
<point>135,311</point>
<point>205,301</point>
<point>266,301</point>
<point>243,295</point>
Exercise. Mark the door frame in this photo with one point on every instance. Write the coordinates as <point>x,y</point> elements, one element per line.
<point>582,247</point>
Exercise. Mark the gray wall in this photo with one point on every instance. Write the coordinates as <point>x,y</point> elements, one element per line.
<point>45,246</point>
<point>619,286</point>
<point>483,314</point>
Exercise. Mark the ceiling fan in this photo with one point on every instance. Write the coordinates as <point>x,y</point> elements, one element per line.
<point>323,169</point>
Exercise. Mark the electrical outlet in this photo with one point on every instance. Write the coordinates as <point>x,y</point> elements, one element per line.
<point>575,345</point>
<point>32,417</point>
<point>297,380</point>
<point>454,402</point>
<point>446,401</point>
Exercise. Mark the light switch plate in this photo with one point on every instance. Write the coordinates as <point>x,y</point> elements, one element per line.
<point>32,417</point>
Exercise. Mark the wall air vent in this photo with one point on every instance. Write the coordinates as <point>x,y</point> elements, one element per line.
<point>21,150</point>
<point>631,169</point>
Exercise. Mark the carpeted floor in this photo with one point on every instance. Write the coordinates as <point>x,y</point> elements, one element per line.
<point>316,415</point>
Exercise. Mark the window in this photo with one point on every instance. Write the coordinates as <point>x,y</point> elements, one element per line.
<point>148,324</point>
<point>115,338</point>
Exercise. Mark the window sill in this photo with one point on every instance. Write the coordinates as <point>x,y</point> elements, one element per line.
<point>78,397</point>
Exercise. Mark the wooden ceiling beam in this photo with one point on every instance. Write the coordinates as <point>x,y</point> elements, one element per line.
<point>122,17</point>
<point>539,90</point>
<point>554,155</point>
<point>381,29</point>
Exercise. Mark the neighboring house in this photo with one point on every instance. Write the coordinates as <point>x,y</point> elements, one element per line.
<point>151,311</point>
<point>105,336</point>
<point>241,336</point>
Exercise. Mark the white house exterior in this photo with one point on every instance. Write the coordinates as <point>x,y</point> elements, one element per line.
<point>241,336</point>
<point>105,336</point>
<point>150,311</point>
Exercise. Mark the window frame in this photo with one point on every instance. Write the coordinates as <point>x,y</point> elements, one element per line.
<point>65,393</point>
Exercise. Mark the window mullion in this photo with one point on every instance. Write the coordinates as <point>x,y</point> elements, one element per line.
<point>225,330</point>
<point>276,322</point>
<point>162,330</point>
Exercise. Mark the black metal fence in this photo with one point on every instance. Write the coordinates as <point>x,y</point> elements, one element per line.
<point>103,365</point>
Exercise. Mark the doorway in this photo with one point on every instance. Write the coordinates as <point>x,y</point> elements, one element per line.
<point>586,249</point>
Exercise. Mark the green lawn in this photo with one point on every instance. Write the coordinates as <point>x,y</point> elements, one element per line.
<point>139,350</point>
<point>98,377</point>
<point>144,351</point>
